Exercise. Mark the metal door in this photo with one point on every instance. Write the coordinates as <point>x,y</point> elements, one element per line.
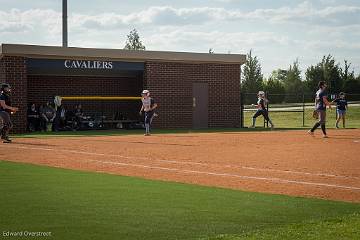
<point>200,105</point>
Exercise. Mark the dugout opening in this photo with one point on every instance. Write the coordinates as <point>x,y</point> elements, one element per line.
<point>50,78</point>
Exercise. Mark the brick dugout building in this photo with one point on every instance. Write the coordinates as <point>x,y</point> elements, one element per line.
<point>193,90</point>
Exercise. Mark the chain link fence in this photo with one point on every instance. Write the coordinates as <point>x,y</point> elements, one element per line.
<point>295,110</point>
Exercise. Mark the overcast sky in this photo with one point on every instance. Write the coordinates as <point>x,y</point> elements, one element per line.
<point>278,31</point>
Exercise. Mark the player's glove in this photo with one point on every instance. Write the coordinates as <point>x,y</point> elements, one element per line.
<point>315,114</point>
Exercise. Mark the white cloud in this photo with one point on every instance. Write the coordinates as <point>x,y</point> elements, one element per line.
<point>30,20</point>
<point>305,13</point>
<point>316,30</point>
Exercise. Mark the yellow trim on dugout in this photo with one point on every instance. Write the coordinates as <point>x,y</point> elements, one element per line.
<point>98,98</point>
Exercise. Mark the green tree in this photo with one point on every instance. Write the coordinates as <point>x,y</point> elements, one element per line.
<point>293,83</point>
<point>346,74</point>
<point>327,70</point>
<point>332,73</point>
<point>275,86</point>
<point>133,41</point>
<point>352,86</point>
<point>252,77</point>
<point>313,75</point>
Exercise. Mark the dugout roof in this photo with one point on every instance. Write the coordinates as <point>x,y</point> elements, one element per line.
<point>49,52</point>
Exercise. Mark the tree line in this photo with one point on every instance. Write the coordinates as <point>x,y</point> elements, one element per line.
<point>286,85</point>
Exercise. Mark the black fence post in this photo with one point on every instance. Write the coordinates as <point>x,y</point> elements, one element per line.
<point>303,101</point>
<point>241,110</point>
<point>102,112</point>
<point>267,108</point>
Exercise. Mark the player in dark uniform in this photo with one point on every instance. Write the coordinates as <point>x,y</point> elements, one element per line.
<point>341,108</point>
<point>148,106</point>
<point>5,111</point>
<point>261,109</point>
<point>320,107</point>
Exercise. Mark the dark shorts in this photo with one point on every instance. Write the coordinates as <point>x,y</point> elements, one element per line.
<point>262,112</point>
<point>6,119</point>
<point>149,117</point>
<point>341,112</point>
<point>322,116</point>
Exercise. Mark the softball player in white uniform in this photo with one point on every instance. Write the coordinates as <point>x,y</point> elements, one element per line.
<point>148,106</point>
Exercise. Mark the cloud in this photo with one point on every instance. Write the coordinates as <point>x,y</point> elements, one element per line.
<point>30,20</point>
<point>314,30</point>
<point>304,13</point>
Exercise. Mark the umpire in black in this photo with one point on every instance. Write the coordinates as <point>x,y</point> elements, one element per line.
<point>5,111</point>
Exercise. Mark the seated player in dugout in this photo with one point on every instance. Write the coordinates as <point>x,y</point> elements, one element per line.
<point>5,111</point>
<point>148,106</point>
<point>261,109</point>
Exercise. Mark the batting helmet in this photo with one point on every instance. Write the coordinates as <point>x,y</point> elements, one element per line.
<point>145,92</point>
<point>6,88</point>
<point>5,85</point>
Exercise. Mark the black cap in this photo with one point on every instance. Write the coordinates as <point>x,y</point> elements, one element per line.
<point>5,85</point>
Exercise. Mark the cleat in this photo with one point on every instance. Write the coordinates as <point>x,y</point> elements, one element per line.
<point>6,140</point>
<point>310,133</point>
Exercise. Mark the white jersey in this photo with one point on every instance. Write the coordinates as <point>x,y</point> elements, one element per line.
<point>147,103</point>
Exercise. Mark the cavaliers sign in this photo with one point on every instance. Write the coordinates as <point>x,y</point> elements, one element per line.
<point>82,67</point>
<point>88,64</point>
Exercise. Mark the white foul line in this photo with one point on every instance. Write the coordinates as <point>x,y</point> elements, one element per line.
<point>227,175</point>
<point>190,163</point>
<point>279,180</point>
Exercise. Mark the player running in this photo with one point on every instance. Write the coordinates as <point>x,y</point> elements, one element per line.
<point>5,110</point>
<point>261,109</point>
<point>341,108</point>
<point>320,107</point>
<point>148,106</point>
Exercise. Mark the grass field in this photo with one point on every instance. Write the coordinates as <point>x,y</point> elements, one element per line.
<point>83,205</point>
<point>295,119</point>
<point>282,121</point>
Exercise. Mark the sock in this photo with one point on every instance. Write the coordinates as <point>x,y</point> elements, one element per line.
<point>315,127</point>
<point>271,123</point>
<point>147,127</point>
<point>323,129</point>
<point>4,132</point>
<point>254,121</point>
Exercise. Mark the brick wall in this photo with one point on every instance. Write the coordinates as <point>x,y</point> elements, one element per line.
<point>43,88</point>
<point>13,71</point>
<point>171,86</point>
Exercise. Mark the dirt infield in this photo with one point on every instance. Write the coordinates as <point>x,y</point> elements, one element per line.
<point>282,162</point>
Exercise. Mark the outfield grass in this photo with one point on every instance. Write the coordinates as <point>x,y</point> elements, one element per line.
<point>282,121</point>
<point>295,119</point>
<point>344,228</point>
<point>83,205</point>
